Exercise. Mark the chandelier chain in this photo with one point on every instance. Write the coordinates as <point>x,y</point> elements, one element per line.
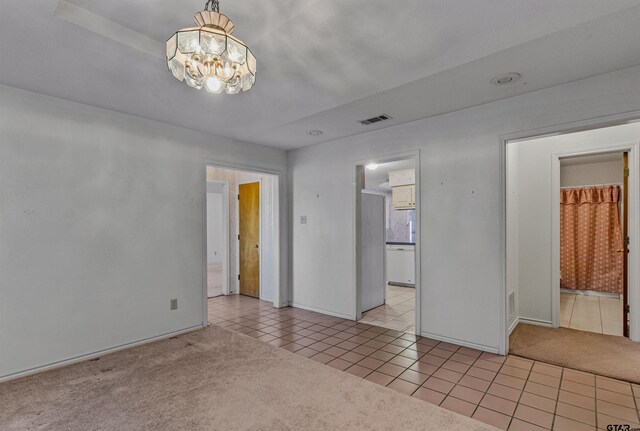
<point>212,6</point>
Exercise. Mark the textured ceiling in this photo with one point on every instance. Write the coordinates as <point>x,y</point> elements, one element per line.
<point>321,64</point>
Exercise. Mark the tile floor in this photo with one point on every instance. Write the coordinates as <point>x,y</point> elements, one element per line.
<point>508,392</point>
<point>591,313</point>
<point>398,313</point>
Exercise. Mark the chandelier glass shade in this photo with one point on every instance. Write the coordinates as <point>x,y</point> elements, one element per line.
<point>208,56</point>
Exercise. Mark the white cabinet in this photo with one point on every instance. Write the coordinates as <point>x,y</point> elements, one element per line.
<point>404,197</point>
<point>401,264</point>
<point>403,186</point>
<point>402,178</point>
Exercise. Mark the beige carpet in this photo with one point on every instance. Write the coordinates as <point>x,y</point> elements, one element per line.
<point>212,379</point>
<point>606,355</point>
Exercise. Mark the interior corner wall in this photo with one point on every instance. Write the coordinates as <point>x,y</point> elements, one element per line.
<point>462,257</point>
<point>535,222</point>
<point>102,223</point>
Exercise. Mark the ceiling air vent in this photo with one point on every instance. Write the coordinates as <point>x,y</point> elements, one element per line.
<point>377,119</point>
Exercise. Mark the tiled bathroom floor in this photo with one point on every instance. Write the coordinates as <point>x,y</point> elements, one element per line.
<point>398,313</point>
<point>591,313</point>
<point>508,392</point>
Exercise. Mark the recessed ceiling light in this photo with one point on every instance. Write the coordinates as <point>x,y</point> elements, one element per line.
<point>315,132</point>
<point>506,78</point>
<point>372,166</point>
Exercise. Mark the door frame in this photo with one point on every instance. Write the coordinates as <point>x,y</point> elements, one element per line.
<point>358,170</point>
<point>225,232</point>
<point>631,210</point>
<point>261,231</point>
<point>557,129</point>
<point>281,293</point>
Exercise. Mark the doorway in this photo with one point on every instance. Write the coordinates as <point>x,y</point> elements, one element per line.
<point>593,253</point>
<point>387,291</point>
<point>539,171</point>
<point>573,313</point>
<point>243,233</point>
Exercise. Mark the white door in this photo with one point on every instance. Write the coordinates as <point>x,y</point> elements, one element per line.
<point>373,251</point>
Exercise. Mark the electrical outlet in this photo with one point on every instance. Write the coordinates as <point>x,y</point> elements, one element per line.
<point>173,304</point>
<point>303,219</point>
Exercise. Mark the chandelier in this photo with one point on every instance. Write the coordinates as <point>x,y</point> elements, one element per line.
<point>208,56</point>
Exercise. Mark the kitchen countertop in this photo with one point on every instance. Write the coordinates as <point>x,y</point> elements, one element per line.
<point>400,243</point>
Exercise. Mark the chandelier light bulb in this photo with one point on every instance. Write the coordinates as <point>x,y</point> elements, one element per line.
<point>214,84</point>
<point>209,56</point>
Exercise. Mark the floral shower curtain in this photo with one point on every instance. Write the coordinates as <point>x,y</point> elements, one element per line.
<point>590,235</point>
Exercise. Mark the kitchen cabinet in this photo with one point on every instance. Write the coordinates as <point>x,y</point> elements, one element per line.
<point>401,264</point>
<point>404,197</point>
<point>402,178</point>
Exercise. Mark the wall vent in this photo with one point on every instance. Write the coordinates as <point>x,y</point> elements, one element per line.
<point>377,119</point>
<point>512,305</point>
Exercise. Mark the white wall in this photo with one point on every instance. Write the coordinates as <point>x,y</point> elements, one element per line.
<point>215,227</point>
<point>462,233</point>
<point>269,225</point>
<point>102,222</point>
<point>534,170</point>
<point>586,174</point>
<point>513,238</point>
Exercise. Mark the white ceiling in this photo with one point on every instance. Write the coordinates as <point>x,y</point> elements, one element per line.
<point>321,64</point>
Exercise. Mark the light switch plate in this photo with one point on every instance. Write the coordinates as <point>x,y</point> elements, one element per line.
<point>303,219</point>
<point>173,305</point>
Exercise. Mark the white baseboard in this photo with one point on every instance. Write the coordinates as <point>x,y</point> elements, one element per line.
<point>490,349</point>
<point>536,322</point>
<point>321,311</point>
<point>513,325</point>
<point>86,357</point>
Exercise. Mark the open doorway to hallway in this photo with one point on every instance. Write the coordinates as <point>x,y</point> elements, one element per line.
<point>388,231</point>
<point>242,233</point>
<point>571,242</point>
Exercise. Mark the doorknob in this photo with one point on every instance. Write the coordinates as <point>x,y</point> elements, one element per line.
<point>620,250</point>
<point>257,246</point>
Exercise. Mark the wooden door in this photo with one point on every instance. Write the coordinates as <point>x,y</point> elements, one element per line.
<point>249,239</point>
<point>625,248</point>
